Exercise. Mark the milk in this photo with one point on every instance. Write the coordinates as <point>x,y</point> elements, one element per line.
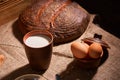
<point>37,41</point>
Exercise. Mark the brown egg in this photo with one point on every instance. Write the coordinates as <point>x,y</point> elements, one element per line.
<point>95,50</point>
<point>79,50</point>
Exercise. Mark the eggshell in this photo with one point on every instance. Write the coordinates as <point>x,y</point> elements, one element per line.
<point>79,50</point>
<point>95,50</point>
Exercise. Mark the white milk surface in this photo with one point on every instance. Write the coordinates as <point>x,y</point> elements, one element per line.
<point>37,41</point>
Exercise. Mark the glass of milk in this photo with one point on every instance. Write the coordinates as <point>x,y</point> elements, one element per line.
<point>38,48</point>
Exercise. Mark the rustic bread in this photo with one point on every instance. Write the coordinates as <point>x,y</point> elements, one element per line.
<point>65,19</point>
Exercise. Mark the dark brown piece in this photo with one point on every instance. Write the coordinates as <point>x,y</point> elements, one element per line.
<point>66,20</point>
<point>96,38</point>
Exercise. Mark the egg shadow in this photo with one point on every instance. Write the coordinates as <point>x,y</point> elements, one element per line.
<point>75,72</point>
<point>105,56</point>
<point>26,69</point>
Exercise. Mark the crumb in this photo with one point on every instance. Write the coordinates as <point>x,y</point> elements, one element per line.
<point>2,57</point>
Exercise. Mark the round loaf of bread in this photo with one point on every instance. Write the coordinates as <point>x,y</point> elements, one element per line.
<point>65,19</point>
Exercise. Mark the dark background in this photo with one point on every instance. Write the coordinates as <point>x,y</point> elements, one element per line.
<point>108,12</point>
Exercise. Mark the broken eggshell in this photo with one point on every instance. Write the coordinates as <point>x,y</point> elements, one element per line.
<point>97,38</point>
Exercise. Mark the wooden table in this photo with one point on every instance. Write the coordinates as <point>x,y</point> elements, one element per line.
<point>11,9</point>
<point>62,63</point>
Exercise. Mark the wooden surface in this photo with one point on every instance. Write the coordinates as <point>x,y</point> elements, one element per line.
<point>62,63</point>
<point>8,3</point>
<point>11,9</point>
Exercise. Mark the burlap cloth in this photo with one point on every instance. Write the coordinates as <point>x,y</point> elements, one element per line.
<point>62,62</point>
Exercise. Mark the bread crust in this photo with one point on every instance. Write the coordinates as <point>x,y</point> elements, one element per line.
<point>66,20</point>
